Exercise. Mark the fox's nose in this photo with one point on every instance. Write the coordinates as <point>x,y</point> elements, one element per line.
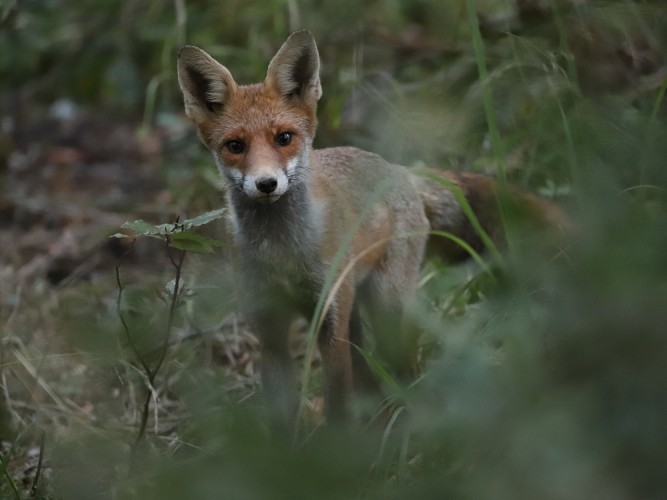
<point>267,185</point>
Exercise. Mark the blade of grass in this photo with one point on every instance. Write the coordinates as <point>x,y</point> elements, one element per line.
<point>65,405</point>
<point>651,134</point>
<point>476,257</point>
<point>379,370</point>
<point>470,214</point>
<point>403,456</point>
<point>387,433</point>
<point>478,46</point>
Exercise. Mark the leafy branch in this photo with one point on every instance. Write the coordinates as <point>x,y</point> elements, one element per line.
<point>176,236</point>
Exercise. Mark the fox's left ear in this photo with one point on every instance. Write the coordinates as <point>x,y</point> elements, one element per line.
<point>295,70</point>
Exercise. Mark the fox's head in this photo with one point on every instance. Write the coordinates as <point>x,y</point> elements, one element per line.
<point>261,134</point>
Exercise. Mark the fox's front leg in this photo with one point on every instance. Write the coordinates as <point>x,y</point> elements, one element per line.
<point>278,387</point>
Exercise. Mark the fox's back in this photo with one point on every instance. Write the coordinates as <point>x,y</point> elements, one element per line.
<point>363,175</point>
<point>361,189</point>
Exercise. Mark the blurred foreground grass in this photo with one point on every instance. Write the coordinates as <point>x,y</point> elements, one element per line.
<point>545,380</point>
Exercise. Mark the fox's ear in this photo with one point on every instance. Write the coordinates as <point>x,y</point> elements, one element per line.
<point>295,70</point>
<point>206,84</point>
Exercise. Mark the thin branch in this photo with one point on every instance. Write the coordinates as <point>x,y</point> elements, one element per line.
<point>119,312</point>
<point>178,266</point>
<point>152,374</point>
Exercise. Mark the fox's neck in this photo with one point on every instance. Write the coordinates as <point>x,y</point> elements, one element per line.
<point>280,232</point>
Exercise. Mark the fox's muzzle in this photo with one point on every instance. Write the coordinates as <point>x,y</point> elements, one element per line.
<point>267,188</point>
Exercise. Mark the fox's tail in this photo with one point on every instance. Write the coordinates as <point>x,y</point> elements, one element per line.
<point>442,193</point>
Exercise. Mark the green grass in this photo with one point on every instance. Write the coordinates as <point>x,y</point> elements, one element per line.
<point>542,362</point>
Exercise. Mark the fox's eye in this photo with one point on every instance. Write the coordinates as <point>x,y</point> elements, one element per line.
<point>235,147</point>
<point>284,138</point>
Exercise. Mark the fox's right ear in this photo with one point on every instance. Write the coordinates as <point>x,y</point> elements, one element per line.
<point>206,84</point>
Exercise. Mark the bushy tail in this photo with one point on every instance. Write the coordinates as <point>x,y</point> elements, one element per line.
<point>468,207</point>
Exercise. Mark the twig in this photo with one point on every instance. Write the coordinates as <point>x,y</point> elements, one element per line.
<point>144,413</point>
<point>35,482</point>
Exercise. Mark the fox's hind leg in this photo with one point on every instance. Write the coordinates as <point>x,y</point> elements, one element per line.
<point>386,293</point>
<point>394,344</point>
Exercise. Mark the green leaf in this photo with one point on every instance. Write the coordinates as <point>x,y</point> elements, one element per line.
<point>193,242</point>
<point>204,218</point>
<point>141,227</point>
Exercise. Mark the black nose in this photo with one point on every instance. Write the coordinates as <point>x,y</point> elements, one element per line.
<point>267,185</point>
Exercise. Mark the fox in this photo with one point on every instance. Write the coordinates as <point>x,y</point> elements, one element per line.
<point>298,213</point>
